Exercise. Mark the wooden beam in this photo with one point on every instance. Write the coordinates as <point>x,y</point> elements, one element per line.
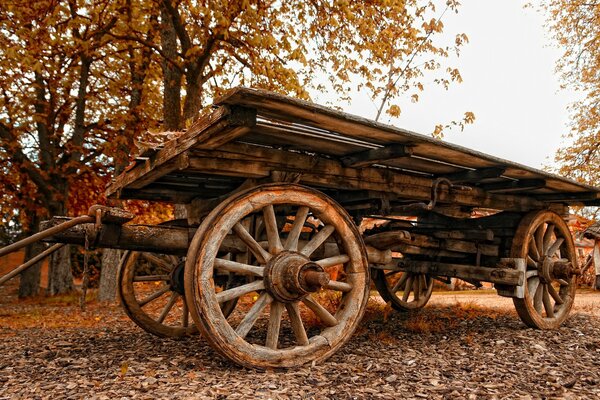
<point>375,156</point>
<point>569,197</point>
<point>160,239</point>
<point>249,161</point>
<point>475,175</point>
<point>502,276</point>
<point>514,186</point>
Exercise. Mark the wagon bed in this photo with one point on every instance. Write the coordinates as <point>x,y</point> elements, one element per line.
<point>250,133</point>
<point>276,192</point>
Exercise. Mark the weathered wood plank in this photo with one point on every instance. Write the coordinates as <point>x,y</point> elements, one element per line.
<point>514,186</point>
<point>503,276</point>
<point>225,123</point>
<point>243,160</point>
<point>375,156</point>
<point>475,175</point>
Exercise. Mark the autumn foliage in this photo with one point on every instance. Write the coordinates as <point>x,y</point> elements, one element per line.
<point>81,82</point>
<point>576,28</point>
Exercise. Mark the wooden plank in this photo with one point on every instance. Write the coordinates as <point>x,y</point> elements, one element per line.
<point>225,123</point>
<point>514,186</point>
<point>475,175</point>
<point>376,156</point>
<point>596,257</point>
<point>569,197</point>
<point>279,107</point>
<point>257,162</point>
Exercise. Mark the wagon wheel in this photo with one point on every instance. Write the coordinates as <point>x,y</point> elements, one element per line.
<point>406,291</point>
<point>152,294</point>
<point>545,241</point>
<point>321,282</point>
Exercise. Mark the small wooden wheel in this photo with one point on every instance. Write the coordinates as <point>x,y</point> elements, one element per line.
<point>310,289</point>
<point>148,287</point>
<point>152,293</point>
<point>545,241</point>
<point>407,291</point>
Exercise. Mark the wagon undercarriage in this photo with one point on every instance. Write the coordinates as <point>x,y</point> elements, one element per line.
<point>292,208</point>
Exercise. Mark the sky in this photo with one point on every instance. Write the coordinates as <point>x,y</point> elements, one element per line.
<point>510,84</point>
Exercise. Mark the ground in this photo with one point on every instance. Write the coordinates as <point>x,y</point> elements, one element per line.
<point>462,345</point>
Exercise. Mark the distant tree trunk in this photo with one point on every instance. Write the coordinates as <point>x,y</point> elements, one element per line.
<point>171,75</point>
<point>29,284</point>
<point>108,275</point>
<point>60,277</point>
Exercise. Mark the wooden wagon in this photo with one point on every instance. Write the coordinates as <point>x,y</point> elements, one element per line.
<point>292,209</point>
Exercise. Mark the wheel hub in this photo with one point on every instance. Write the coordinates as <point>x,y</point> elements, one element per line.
<point>550,269</point>
<point>291,276</point>
<point>176,280</point>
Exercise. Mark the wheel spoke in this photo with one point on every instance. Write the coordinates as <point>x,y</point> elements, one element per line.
<point>400,283</point>
<point>417,288</point>
<point>168,307</point>
<point>547,238</point>
<point>539,239</point>
<point>531,273</point>
<point>555,246</point>
<point>185,315</point>
<point>151,278</point>
<point>236,292</point>
<point>555,294</point>
<point>239,268</point>
<point>335,260</point>
<point>317,240</point>
<point>537,298</point>
<point>274,324</point>
<point>407,288</point>
<point>547,302</point>
<point>250,319</point>
<point>531,263</point>
<point>154,296</point>
<point>261,255</point>
<point>291,242</point>
<point>424,285</point>
<point>297,325</point>
<point>562,282</point>
<point>275,246</point>
<point>532,285</point>
<point>159,262</point>
<point>320,311</point>
<point>339,286</point>
<point>533,250</point>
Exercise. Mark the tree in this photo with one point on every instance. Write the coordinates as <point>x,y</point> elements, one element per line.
<point>81,81</point>
<point>209,46</point>
<point>576,28</point>
<point>64,107</point>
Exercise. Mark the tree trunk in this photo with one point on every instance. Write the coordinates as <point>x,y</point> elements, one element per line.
<point>60,277</point>
<point>171,75</point>
<point>108,275</point>
<point>29,284</point>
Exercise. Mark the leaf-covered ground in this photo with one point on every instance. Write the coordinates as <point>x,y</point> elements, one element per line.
<point>464,349</point>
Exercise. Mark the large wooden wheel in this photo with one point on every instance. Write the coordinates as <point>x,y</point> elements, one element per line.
<point>311,285</point>
<point>406,291</point>
<point>152,293</point>
<point>545,241</point>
